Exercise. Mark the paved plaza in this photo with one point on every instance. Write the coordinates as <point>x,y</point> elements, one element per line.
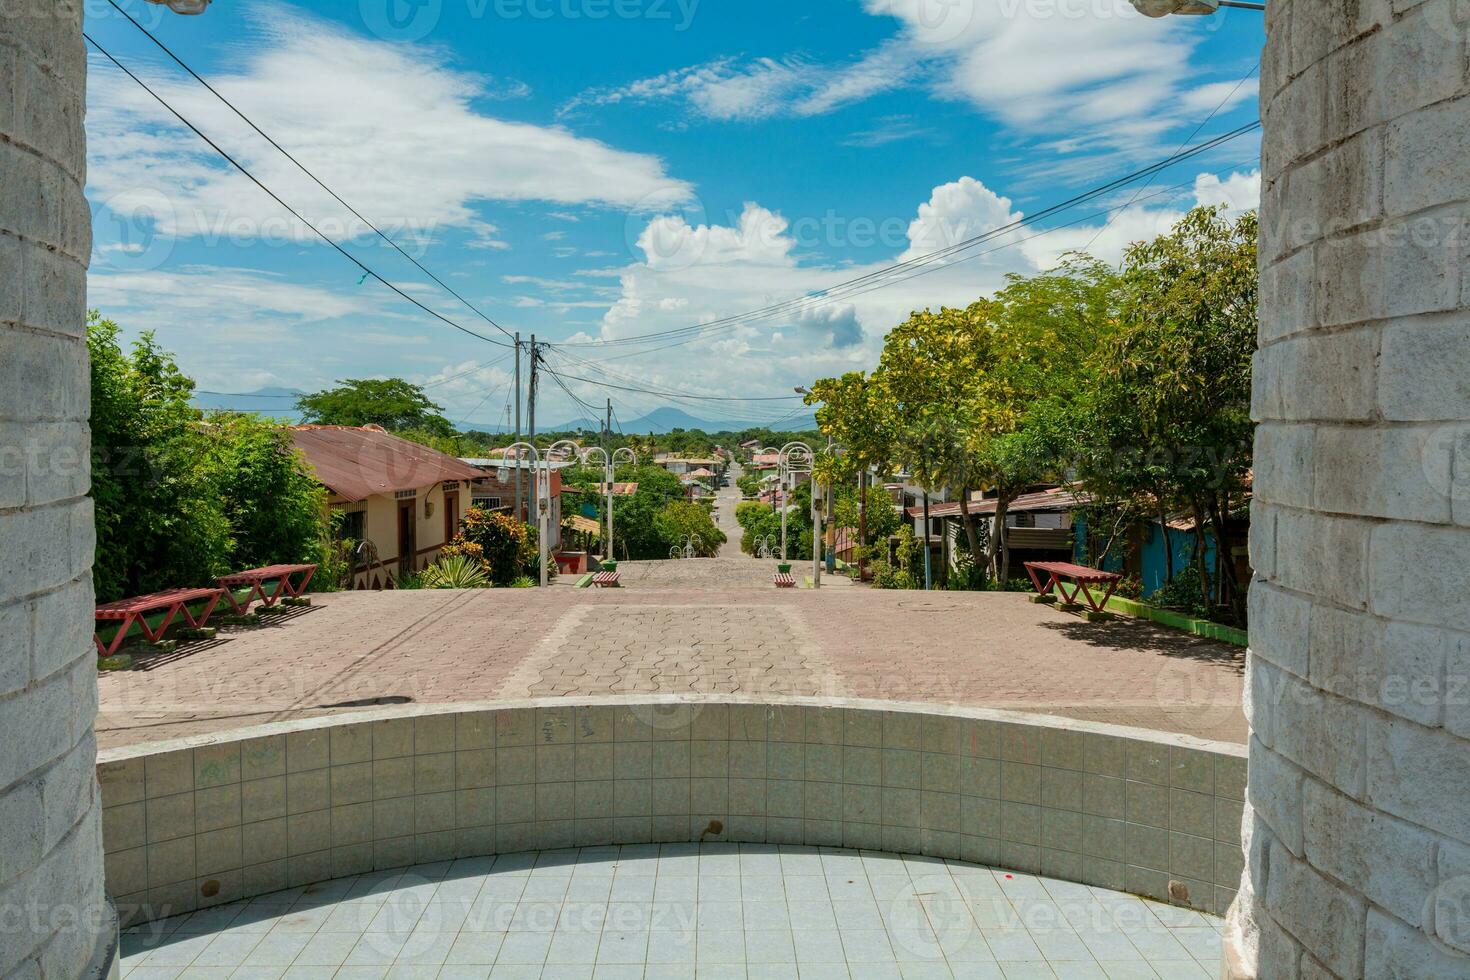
<point>996,650</point>
<point>684,911</point>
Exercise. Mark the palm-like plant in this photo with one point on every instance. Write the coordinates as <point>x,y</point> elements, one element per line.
<point>456,572</point>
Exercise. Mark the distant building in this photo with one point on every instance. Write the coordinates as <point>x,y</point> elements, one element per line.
<point>399,500</point>
<point>494,488</point>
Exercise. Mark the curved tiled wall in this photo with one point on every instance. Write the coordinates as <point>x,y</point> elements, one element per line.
<point>206,820</point>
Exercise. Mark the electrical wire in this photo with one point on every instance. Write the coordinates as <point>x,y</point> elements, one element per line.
<point>1163,192</point>
<point>1185,142</point>
<point>886,274</point>
<point>367,271</point>
<point>304,169</point>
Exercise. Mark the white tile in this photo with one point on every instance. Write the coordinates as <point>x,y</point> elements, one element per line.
<point>480,948</point>
<point>766,946</point>
<point>623,947</point>
<point>867,946</point>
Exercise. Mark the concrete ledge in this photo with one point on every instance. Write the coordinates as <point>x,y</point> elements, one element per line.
<point>215,818</point>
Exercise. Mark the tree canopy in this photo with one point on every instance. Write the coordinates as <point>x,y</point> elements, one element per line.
<point>392,403</point>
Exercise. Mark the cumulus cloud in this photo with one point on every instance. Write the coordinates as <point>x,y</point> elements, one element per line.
<point>410,155</point>
<point>1237,193</point>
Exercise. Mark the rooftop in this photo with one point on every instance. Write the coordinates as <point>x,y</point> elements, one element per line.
<point>355,463</point>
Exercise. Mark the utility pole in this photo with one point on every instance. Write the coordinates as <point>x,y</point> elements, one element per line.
<point>519,511</point>
<point>928,574</point>
<point>541,514</point>
<point>607,454</point>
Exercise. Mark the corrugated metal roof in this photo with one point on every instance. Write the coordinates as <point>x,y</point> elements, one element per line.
<point>1058,499</point>
<point>356,463</point>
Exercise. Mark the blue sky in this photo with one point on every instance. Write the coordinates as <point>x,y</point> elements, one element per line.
<point>592,170</point>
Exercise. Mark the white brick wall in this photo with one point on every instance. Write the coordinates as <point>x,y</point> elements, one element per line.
<point>1358,804</point>
<point>56,921</point>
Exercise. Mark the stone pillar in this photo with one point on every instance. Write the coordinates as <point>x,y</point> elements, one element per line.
<point>54,919</point>
<point>1357,825</point>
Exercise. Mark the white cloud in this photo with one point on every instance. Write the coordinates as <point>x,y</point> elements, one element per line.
<point>1237,193</point>
<point>762,88</point>
<point>957,212</point>
<point>210,296</point>
<point>1118,79</point>
<point>390,126</point>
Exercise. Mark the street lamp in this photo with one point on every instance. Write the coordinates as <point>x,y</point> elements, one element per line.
<point>543,501</point>
<point>1163,8</point>
<point>610,470</point>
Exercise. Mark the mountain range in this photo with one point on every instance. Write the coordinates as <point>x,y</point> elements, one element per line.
<point>281,403</point>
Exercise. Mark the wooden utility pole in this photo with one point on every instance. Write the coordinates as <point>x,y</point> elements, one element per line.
<point>519,511</point>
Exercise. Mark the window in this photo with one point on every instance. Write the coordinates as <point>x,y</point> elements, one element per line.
<point>353,526</point>
<point>405,494</point>
<point>487,503</point>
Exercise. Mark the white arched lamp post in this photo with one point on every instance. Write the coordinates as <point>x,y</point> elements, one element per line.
<point>543,503</point>
<point>610,472</point>
<point>1163,8</point>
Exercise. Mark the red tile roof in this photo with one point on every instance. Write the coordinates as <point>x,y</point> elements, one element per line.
<point>356,463</point>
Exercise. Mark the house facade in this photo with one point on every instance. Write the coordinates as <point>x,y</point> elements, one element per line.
<point>400,502</point>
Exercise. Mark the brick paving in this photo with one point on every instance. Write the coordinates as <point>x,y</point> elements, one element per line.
<point>979,649</point>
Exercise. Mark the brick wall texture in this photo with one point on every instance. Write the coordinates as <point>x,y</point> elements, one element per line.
<point>54,919</point>
<point>1357,824</point>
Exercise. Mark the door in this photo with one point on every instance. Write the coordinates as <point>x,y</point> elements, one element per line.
<point>451,516</point>
<point>408,539</point>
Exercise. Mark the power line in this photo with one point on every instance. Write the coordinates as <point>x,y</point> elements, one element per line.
<point>303,168</point>
<point>885,274</point>
<point>1185,142</point>
<point>367,271</point>
<point>923,272</point>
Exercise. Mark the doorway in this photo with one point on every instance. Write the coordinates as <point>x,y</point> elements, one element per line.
<point>408,539</point>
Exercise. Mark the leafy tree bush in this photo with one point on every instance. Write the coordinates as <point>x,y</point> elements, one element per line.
<point>506,546</point>
<point>393,403</point>
<point>684,519</point>
<point>182,497</point>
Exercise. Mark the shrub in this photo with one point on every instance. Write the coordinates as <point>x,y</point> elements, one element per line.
<point>505,545</point>
<point>455,572</point>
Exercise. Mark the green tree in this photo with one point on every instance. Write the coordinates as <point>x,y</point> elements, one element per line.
<point>684,520</point>
<point>1180,370</point>
<point>967,383</point>
<point>275,506</point>
<point>392,403</point>
<point>857,413</point>
<point>182,497</point>
<point>160,521</point>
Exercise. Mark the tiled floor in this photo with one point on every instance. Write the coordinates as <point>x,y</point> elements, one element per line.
<point>679,911</point>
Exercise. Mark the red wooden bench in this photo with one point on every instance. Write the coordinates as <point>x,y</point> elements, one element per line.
<point>606,580</point>
<point>126,612</point>
<point>256,579</point>
<point>784,580</point>
<point>1059,572</point>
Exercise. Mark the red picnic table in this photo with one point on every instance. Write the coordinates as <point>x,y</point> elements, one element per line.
<point>1080,575</point>
<point>607,580</point>
<point>256,579</point>
<point>784,580</point>
<point>126,612</point>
